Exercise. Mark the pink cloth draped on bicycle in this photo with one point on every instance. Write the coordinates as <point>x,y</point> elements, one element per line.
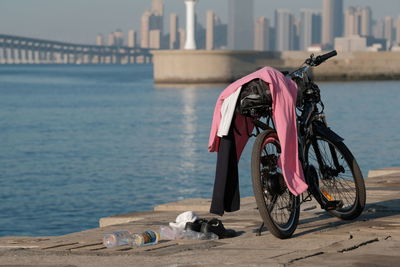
<point>284,94</point>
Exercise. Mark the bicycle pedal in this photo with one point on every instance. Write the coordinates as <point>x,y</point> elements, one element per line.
<point>333,205</point>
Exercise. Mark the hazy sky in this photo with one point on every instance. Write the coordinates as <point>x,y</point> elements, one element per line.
<point>81,20</point>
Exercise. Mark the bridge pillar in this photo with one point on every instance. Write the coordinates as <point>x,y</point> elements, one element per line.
<point>12,55</point>
<point>33,56</point>
<point>26,56</point>
<point>5,55</point>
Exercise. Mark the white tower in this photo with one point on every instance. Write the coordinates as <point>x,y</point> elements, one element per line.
<point>190,32</point>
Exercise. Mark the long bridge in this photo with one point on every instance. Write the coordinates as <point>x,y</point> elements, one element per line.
<point>24,50</point>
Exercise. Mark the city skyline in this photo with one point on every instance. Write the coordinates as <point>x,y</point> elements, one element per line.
<point>126,15</point>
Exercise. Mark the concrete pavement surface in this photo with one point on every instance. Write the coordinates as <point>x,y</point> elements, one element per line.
<point>373,239</point>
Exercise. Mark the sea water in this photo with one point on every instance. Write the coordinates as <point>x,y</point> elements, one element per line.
<point>78,143</point>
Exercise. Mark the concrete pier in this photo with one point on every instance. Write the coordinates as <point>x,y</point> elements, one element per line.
<point>224,66</point>
<point>373,239</point>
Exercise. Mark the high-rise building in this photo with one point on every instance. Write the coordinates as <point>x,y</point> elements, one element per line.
<point>173,31</point>
<point>284,30</point>
<point>240,24</point>
<point>99,39</point>
<point>358,21</point>
<point>182,38</point>
<point>366,21</point>
<point>350,22</point>
<point>388,30</point>
<point>220,34</point>
<point>145,30</point>
<point>332,21</point>
<point>379,29</point>
<point>296,34</point>
<point>111,39</point>
<point>132,38</point>
<point>310,28</point>
<point>118,38</point>
<point>398,31</point>
<point>157,7</point>
<point>155,39</point>
<point>210,30</point>
<point>261,34</point>
<point>152,20</point>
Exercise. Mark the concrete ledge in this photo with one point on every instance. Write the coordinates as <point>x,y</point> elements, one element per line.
<point>113,220</point>
<point>382,172</point>
<point>195,204</point>
<point>373,239</point>
<point>224,66</point>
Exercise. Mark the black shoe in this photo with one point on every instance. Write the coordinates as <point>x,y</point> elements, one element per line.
<point>196,225</point>
<point>215,226</point>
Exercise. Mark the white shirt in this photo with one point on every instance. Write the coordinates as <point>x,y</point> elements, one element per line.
<point>227,111</point>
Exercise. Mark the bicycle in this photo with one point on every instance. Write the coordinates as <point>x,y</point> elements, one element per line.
<point>331,172</point>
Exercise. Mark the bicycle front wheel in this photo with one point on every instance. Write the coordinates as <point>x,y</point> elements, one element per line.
<point>278,207</point>
<point>339,176</point>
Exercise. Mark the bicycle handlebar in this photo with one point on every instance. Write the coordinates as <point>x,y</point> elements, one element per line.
<point>320,59</point>
<point>312,61</point>
<point>323,58</point>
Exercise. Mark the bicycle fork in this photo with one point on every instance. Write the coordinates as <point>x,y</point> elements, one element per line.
<point>326,201</point>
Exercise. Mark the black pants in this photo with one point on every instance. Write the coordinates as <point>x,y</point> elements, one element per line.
<point>226,196</point>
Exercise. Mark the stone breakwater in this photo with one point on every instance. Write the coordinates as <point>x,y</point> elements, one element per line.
<point>373,239</point>
<point>223,66</point>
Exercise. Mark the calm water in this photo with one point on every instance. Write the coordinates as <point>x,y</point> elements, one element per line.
<point>79,143</point>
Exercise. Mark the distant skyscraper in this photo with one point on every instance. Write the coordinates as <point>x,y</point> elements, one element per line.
<point>145,29</point>
<point>398,31</point>
<point>157,7</point>
<point>99,39</point>
<point>366,21</point>
<point>388,30</point>
<point>118,38</point>
<point>284,30</point>
<point>296,34</point>
<point>173,31</point>
<point>351,22</point>
<point>151,20</point>
<point>157,16</point>
<point>310,28</point>
<point>220,34</point>
<point>240,24</point>
<point>210,30</point>
<point>358,21</point>
<point>332,21</point>
<point>261,34</point>
<point>132,38</point>
<point>379,29</point>
<point>155,39</point>
<point>111,39</point>
<point>182,38</point>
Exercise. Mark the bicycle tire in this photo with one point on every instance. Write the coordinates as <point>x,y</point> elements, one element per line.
<point>349,187</point>
<point>261,175</point>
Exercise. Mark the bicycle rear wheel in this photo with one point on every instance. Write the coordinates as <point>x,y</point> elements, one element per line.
<point>278,207</point>
<point>339,176</point>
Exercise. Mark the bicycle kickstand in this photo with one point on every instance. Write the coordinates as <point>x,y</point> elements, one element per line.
<point>260,229</point>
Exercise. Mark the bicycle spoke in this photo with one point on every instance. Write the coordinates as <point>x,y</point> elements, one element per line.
<point>340,185</point>
<point>280,206</point>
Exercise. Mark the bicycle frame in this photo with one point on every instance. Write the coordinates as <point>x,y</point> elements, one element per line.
<point>323,157</point>
<point>311,122</point>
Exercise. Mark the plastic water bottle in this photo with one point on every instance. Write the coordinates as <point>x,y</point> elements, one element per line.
<point>116,239</point>
<point>146,238</point>
<point>171,233</point>
<point>122,238</point>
